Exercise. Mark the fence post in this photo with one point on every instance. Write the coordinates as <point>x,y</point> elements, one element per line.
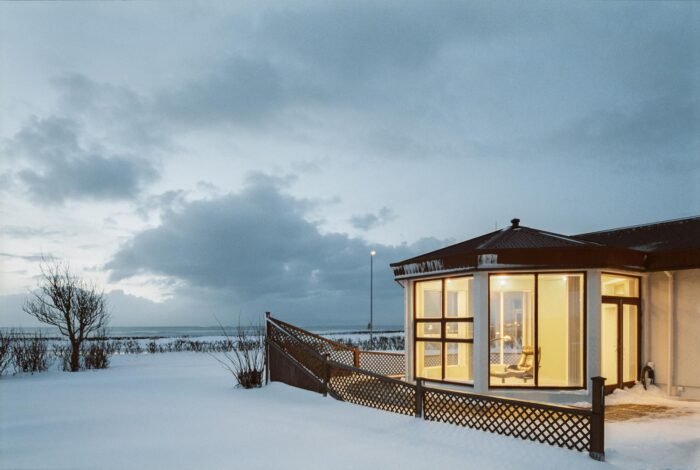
<point>267,348</point>
<point>597,445</point>
<point>326,374</point>
<point>356,357</point>
<point>419,398</point>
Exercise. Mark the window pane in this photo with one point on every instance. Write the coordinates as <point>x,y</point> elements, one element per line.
<point>629,343</point>
<point>459,330</point>
<point>458,362</point>
<point>429,330</point>
<point>512,330</point>
<point>429,299</point>
<point>620,286</point>
<point>560,329</point>
<point>429,360</point>
<point>458,297</point>
<point>608,341</point>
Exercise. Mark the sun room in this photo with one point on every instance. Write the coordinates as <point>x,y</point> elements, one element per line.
<point>524,313</point>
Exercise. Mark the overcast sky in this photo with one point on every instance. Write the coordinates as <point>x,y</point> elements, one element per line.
<point>220,158</point>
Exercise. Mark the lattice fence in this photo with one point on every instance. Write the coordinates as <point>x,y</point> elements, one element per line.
<point>560,426</point>
<point>380,362</point>
<point>343,372</point>
<point>364,388</point>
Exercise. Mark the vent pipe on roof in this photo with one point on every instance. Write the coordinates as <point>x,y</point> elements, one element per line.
<point>514,223</point>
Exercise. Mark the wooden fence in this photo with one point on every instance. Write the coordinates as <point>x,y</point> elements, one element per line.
<point>306,360</point>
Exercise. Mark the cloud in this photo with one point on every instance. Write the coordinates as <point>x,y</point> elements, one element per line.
<point>59,167</point>
<point>31,258</point>
<point>658,134</point>
<point>20,231</point>
<point>371,220</point>
<point>257,248</point>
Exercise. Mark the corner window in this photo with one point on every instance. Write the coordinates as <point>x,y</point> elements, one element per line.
<point>536,330</point>
<point>444,329</point>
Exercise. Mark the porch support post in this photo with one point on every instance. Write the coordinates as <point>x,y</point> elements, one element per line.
<point>419,398</point>
<point>597,442</point>
<point>480,307</point>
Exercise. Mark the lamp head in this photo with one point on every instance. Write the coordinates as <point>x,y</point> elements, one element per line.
<point>372,253</point>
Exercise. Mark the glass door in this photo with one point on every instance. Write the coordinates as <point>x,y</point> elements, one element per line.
<point>630,343</point>
<point>609,339</point>
<point>619,338</point>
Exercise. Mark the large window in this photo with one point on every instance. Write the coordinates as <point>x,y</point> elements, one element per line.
<point>444,329</point>
<point>536,330</point>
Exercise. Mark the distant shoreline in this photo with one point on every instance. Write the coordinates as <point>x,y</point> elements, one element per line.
<point>155,332</point>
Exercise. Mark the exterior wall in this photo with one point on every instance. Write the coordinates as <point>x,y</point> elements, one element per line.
<point>684,350</point>
<point>481,332</point>
<point>408,327</point>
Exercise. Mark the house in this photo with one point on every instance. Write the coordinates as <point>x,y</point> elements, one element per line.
<point>531,314</point>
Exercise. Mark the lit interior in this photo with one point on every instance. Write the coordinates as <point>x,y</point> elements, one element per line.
<point>629,343</point>
<point>560,330</point>
<point>558,354</point>
<point>443,346</point>
<point>619,286</point>
<point>608,341</point>
<point>511,330</point>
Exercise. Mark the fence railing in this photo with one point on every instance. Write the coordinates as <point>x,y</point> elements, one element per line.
<point>304,359</point>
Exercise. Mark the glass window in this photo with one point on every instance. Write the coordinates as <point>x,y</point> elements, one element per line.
<point>444,329</point>
<point>629,343</point>
<point>512,330</point>
<point>620,286</point>
<point>608,342</point>
<point>459,330</point>
<point>560,329</point>
<point>429,359</point>
<point>429,299</point>
<point>429,330</point>
<point>458,362</point>
<point>458,298</point>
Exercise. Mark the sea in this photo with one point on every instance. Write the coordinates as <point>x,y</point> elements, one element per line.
<point>141,332</point>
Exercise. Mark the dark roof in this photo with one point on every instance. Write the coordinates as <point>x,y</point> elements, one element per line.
<point>657,237</point>
<point>671,244</point>
<point>664,245</point>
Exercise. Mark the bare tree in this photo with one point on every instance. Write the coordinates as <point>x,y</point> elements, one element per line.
<point>70,304</point>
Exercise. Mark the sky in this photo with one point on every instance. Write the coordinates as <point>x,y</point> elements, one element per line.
<point>203,160</point>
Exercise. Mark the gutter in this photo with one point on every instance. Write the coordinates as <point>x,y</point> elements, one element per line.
<point>671,330</point>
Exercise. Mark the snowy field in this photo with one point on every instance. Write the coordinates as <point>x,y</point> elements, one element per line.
<point>180,410</point>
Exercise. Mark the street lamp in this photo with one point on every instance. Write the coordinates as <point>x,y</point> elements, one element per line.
<point>371,295</point>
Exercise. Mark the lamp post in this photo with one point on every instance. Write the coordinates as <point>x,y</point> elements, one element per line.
<point>371,295</point>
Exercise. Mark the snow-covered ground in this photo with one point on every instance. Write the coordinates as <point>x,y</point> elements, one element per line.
<point>180,410</point>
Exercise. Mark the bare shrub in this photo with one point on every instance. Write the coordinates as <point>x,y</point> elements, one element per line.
<point>30,353</point>
<point>246,361</point>
<point>96,355</point>
<point>5,350</point>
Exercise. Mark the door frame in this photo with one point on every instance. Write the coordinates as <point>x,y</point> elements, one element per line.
<point>620,301</point>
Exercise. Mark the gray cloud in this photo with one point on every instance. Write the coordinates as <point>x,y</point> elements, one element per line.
<point>371,220</point>
<point>59,167</point>
<point>31,258</point>
<point>19,231</point>
<point>256,247</point>
<point>659,134</point>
